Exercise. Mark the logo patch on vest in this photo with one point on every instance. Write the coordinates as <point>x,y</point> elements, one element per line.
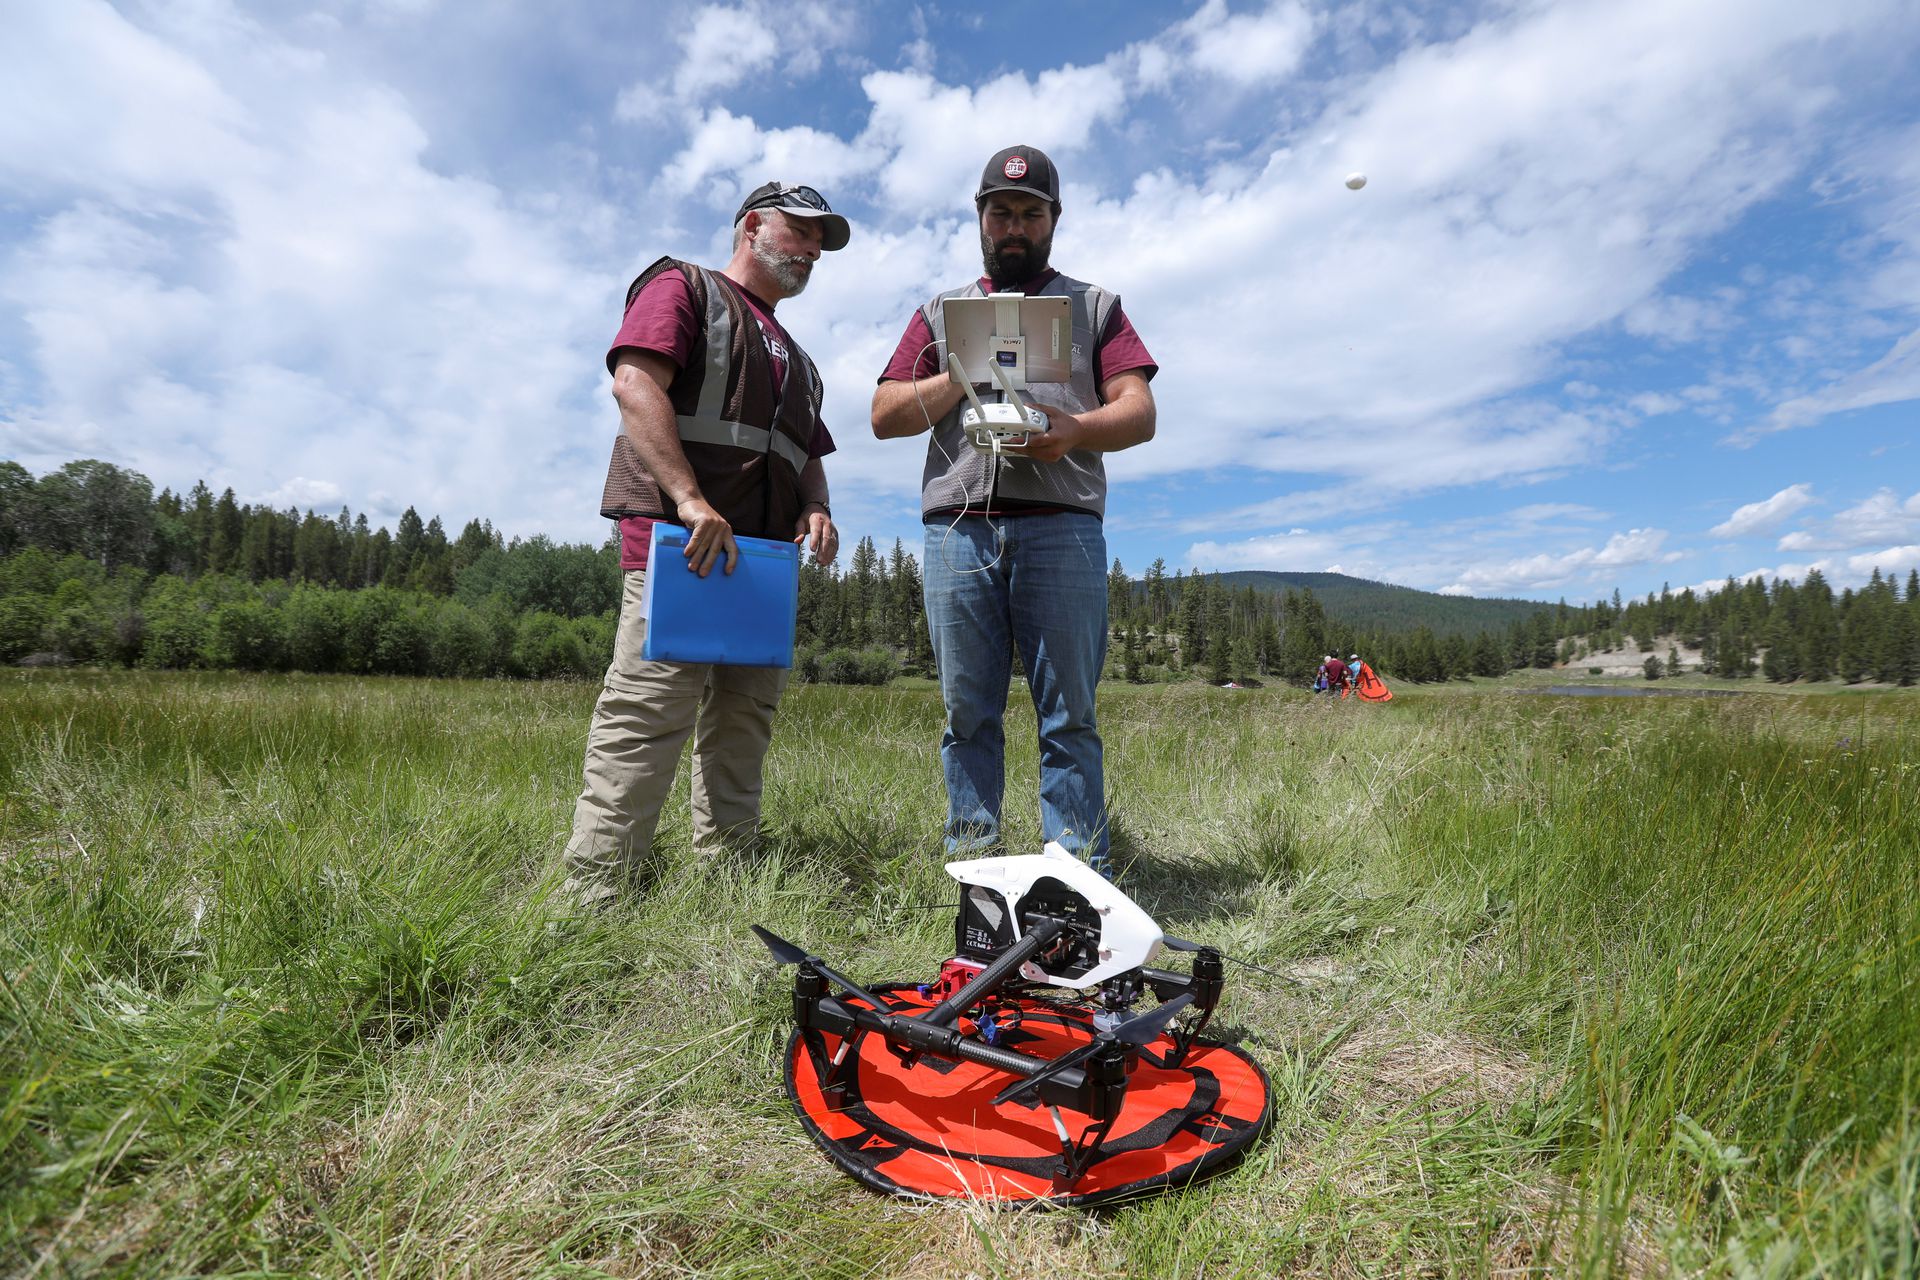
<point>1016,167</point>
<point>775,348</point>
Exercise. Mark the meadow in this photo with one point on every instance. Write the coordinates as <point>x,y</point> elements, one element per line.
<point>1576,987</point>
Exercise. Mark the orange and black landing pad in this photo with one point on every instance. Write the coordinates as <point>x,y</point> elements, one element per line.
<point>930,1130</point>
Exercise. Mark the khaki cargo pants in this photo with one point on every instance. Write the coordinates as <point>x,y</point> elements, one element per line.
<point>645,713</point>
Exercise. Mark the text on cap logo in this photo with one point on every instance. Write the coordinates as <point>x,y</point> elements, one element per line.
<point>1016,167</point>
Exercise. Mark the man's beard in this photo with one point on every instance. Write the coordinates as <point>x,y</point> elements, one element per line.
<point>1004,268</point>
<point>790,271</point>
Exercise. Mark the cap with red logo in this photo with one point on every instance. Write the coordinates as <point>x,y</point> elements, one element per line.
<point>1025,169</point>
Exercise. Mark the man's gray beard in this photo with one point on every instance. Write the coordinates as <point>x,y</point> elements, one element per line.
<point>788,270</point>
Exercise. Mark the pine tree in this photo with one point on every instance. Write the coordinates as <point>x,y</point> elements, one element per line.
<point>228,527</point>
<point>1119,595</point>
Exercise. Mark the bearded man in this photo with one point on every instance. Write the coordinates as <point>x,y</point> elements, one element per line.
<point>1029,571</point>
<point>720,431</point>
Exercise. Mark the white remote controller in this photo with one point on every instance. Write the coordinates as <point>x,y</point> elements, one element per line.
<point>996,428</point>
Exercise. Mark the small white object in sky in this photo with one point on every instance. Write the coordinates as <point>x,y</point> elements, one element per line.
<point>1355,181</point>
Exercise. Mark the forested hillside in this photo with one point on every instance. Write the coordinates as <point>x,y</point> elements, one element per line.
<point>1382,606</point>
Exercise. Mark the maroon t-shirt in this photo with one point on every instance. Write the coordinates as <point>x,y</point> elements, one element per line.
<point>662,319</point>
<point>1120,349</point>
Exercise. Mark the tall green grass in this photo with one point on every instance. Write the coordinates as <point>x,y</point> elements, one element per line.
<point>1589,988</point>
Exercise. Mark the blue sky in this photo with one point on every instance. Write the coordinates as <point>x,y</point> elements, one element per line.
<point>1632,295</point>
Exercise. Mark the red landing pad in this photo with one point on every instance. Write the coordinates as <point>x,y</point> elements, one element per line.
<point>929,1130</point>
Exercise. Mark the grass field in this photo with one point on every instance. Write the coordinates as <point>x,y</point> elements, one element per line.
<point>1587,987</point>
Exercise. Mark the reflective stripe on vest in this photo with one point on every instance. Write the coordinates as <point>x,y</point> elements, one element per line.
<point>739,435</point>
<point>705,425</point>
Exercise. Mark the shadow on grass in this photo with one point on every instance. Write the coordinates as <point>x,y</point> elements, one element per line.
<point>1217,885</point>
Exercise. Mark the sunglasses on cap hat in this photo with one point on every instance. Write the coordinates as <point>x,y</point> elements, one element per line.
<point>801,201</point>
<point>774,196</point>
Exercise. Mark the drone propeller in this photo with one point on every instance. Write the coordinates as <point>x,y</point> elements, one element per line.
<point>1134,1031</point>
<point>785,952</point>
<point>1182,944</point>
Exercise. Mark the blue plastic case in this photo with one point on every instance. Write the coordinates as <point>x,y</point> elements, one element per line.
<point>742,619</point>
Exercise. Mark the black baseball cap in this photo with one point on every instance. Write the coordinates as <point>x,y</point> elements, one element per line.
<point>1020,168</point>
<point>800,202</point>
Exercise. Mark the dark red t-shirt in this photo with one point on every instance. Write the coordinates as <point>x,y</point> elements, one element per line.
<point>662,319</point>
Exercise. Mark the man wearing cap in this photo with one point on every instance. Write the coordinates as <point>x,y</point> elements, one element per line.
<point>720,432</point>
<point>1026,570</point>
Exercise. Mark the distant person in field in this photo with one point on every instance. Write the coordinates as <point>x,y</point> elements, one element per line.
<point>1027,572</point>
<point>1334,672</point>
<point>720,432</point>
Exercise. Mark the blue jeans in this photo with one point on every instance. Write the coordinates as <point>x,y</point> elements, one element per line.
<point>1043,592</point>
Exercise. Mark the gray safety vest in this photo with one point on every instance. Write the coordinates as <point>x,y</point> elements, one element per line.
<point>956,474</point>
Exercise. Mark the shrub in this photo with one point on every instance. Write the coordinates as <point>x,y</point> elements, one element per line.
<point>874,666</point>
<point>316,628</point>
<point>22,618</point>
<point>245,634</point>
<point>460,643</point>
<point>548,646</point>
<point>176,624</point>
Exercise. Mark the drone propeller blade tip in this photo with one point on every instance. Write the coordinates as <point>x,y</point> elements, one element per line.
<point>783,951</point>
<point>1143,1029</point>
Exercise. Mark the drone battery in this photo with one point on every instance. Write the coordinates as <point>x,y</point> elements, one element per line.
<point>984,928</point>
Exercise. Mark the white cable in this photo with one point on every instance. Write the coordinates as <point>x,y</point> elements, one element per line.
<point>993,468</point>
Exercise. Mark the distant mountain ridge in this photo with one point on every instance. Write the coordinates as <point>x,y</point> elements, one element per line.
<point>1368,605</point>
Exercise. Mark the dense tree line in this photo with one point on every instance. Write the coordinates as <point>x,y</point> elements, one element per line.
<point>1781,631</point>
<point>1187,625</point>
<point>95,567</point>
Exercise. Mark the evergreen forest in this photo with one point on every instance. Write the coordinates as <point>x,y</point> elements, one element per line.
<point>97,568</point>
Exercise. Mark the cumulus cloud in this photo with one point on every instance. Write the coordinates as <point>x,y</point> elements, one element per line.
<point>1245,48</point>
<point>723,47</point>
<point>1766,515</point>
<point>719,47</point>
<point>1546,569</point>
<point>202,305</point>
<point>1541,174</point>
<point>1881,517</point>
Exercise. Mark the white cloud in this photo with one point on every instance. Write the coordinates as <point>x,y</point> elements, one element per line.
<point>1766,515</point>
<point>1546,569</point>
<point>205,305</point>
<point>934,137</point>
<point>1881,517</point>
<point>1246,48</point>
<point>727,155</point>
<point>1890,379</point>
<point>1654,403</point>
<point>723,47</point>
<point>1297,549</point>
<point>1887,560</point>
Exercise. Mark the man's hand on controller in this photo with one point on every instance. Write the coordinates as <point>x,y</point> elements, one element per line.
<point>1062,435</point>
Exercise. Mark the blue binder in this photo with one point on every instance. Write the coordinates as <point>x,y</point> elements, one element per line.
<point>742,619</point>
